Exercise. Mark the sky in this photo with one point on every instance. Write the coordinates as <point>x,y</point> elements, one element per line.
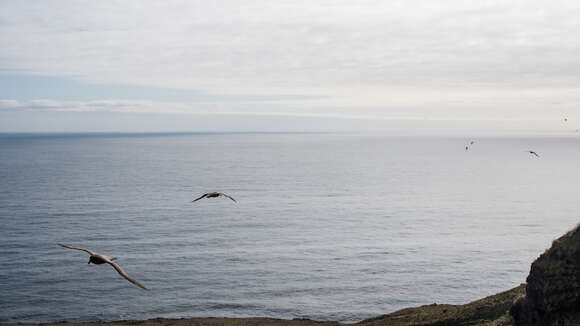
<point>409,66</point>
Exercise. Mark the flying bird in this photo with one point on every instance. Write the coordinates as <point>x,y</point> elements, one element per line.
<point>470,143</point>
<point>214,194</point>
<point>98,259</point>
<point>533,153</point>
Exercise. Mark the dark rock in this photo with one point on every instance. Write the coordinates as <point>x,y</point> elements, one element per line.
<point>553,290</point>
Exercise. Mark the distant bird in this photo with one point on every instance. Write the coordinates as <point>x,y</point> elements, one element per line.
<point>466,147</point>
<point>214,194</point>
<point>565,119</point>
<point>533,153</point>
<point>472,142</point>
<point>98,259</point>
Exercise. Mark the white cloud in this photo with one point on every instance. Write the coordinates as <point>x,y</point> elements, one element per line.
<point>449,59</point>
<point>369,103</point>
<point>96,106</point>
<point>245,46</point>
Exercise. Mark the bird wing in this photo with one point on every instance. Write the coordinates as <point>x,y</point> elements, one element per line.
<point>202,196</point>
<point>226,195</point>
<point>122,272</point>
<point>536,154</point>
<point>83,249</point>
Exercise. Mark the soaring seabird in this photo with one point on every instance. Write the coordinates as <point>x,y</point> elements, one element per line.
<point>470,143</point>
<point>214,194</point>
<point>98,259</point>
<point>534,153</point>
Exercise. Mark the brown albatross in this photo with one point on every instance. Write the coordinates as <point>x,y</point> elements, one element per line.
<point>214,194</point>
<point>98,259</point>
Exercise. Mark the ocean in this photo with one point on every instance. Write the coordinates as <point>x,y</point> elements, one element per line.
<point>327,226</point>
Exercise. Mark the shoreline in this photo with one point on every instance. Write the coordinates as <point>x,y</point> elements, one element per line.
<point>491,310</point>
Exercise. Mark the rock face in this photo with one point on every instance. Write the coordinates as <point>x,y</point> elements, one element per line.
<point>489,311</point>
<point>553,290</point>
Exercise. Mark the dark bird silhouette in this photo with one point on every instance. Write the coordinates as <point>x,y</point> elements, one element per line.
<point>472,142</point>
<point>466,147</point>
<point>214,194</point>
<point>533,153</point>
<point>98,259</point>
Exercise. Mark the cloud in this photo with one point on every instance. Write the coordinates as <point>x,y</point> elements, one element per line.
<point>371,104</point>
<point>75,106</point>
<point>296,46</point>
<point>369,59</point>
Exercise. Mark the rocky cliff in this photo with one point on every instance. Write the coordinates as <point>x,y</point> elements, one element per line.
<point>553,290</point>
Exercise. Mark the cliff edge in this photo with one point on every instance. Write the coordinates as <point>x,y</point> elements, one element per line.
<point>553,290</point>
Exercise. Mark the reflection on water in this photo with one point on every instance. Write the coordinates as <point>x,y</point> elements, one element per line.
<point>329,227</point>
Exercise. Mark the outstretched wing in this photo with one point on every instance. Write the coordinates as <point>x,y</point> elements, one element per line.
<point>202,196</point>
<point>83,249</point>
<point>226,195</point>
<point>122,272</point>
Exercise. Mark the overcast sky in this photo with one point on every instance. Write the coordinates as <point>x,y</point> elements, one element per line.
<point>290,65</point>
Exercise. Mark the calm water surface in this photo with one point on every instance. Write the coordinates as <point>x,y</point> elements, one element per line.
<point>329,227</point>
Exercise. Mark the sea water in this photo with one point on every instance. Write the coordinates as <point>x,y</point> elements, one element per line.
<point>327,226</point>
